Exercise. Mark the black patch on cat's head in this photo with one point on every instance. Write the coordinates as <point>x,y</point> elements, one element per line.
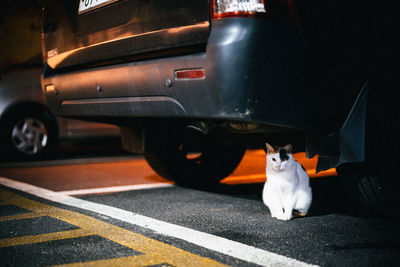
<point>283,154</point>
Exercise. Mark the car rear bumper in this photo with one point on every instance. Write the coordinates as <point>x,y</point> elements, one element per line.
<point>255,71</point>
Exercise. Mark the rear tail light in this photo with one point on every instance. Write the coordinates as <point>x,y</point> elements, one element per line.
<point>274,10</point>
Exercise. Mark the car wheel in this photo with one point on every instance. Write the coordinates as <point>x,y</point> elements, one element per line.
<point>203,165</point>
<point>371,193</point>
<point>28,134</point>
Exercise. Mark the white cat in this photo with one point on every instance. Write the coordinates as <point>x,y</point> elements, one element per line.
<point>287,188</point>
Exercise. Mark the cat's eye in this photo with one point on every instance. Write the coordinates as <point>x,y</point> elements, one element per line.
<point>273,159</point>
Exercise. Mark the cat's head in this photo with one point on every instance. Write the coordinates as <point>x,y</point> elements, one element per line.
<point>278,157</point>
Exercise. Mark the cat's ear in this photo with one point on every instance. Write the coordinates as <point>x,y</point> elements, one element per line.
<point>268,148</point>
<point>288,148</point>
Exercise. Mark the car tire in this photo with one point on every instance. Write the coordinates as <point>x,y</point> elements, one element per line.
<point>371,193</point>
<point>172,158</point>
<point>28,134</point>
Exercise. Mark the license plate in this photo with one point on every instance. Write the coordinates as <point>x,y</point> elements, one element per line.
<point>88,5</point>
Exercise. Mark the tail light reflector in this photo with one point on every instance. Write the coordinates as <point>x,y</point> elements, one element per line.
<point>190,74</point>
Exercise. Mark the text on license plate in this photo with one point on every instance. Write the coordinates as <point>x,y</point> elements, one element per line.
<point>86,5</point>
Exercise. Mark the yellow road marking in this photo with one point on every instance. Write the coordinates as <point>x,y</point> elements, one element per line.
<point>133,261</point>
<point>33,239</point>
<point>27,215</point>
<point>155,252</point>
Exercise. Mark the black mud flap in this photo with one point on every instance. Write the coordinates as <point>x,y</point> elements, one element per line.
<point>348,144</point>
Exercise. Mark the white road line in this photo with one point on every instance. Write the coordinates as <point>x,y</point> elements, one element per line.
<point>113,189</point>
<point>58,162</point>
<point>219,244</point>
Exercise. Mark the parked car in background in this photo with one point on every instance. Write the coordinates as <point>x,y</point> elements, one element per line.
<point>192,84</point>
<point>28,129</point>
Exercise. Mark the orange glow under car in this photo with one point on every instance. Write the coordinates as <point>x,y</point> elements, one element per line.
<point>252,168</point>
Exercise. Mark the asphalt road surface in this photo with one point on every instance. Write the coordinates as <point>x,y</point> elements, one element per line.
<point>95,210</point>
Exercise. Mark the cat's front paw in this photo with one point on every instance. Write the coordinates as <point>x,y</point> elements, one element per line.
<point>275,216</point>
<point>284,217</point>
<point>281,216</point>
